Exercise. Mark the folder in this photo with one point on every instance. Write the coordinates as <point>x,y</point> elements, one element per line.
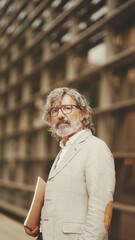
<point>33,217</point>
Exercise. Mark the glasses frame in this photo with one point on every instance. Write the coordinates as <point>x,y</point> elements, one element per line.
<point>60,108</point>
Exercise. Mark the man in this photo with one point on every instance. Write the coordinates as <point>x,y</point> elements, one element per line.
<point>80,186</point>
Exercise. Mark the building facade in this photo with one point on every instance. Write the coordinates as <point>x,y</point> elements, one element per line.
<point>88,45</point>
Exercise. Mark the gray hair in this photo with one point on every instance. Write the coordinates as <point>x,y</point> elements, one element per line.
<point>81,101</point>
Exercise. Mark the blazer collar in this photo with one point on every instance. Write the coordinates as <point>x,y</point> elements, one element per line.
<point>74,149</point>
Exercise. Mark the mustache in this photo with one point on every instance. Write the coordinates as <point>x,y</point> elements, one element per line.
<point>62,121</point>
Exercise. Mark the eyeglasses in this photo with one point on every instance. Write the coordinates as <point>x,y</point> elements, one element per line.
<point>66,109</point>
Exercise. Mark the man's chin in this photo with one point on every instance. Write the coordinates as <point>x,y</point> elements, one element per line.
<point>65,129</point>
<point>62,132</point>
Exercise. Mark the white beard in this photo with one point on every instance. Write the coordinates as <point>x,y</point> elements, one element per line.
<point>66,130</point>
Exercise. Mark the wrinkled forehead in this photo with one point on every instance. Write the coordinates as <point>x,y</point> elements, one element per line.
<point>65,100</point>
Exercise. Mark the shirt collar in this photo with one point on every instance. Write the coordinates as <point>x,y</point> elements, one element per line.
<point>71,139</point>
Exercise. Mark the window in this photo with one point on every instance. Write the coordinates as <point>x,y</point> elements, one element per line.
<point>16,121</point>
<point>20,67</point>
<point>37,54</point>
<point>21,43</point>
<point>35,83</point>
<point>18,94</point>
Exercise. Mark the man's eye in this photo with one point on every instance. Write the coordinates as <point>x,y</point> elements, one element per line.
<point>67,108</point>
<point>54,110</point>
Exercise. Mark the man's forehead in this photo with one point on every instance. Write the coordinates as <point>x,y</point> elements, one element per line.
<point>66,99</point>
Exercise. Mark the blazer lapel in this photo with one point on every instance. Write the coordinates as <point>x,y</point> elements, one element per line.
<point>55,163</point>
<point>69,156</point>
<point>74,149</point>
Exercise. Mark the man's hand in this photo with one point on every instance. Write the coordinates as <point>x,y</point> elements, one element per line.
<point>32,233</point>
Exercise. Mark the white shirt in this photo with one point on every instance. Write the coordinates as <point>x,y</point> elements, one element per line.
<point>67,146</point>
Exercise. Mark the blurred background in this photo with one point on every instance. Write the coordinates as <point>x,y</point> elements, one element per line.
<point>84,44</point>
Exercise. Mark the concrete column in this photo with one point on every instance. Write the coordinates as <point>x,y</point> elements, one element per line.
<point>111,4</point>
<point>73,27</point>
<point>2,84</point>
<point>104,121</point>
<point>9,125</point>
<point>22,148</point>
<point>45,81</point>
<point>3,62</point>
<point>11,154</point>
<point>2,108</point>
<point>14,51</point>
<point>28,64</point>
<point>70,66</point>
<point>11,102</point>
<point>40,144</point>
<point>26,91</point>
<point>23,124</point>
<point>37,121</point>
<point>13,75</point>
<point>4,41</point>
<point>109,40</point>
<point>71,58</point>
<point>46,50</point>
<point>34,145</point>
<point>105,90</point>
<point>29,36</point>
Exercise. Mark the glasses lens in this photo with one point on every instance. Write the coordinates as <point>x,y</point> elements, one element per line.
<point>67,109</point>
<point>54,112</point>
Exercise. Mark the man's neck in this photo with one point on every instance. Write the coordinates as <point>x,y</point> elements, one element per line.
<point>65,139</point>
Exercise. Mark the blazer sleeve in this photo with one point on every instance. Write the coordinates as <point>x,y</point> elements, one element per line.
<point>100,184</point>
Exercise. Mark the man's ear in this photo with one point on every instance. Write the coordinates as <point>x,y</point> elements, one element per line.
<point>82,114</point>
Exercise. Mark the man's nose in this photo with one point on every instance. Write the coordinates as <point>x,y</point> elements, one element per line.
<point>61,114</point>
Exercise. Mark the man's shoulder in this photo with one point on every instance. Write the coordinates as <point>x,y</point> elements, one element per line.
<point>94,142</point>
<point>93,139</point>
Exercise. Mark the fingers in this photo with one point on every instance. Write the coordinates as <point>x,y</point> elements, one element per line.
<point>32,233</point>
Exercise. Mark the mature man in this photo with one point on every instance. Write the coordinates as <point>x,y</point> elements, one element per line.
<point>80,186</point>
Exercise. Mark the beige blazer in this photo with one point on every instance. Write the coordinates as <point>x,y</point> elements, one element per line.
<point>79,192</point>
